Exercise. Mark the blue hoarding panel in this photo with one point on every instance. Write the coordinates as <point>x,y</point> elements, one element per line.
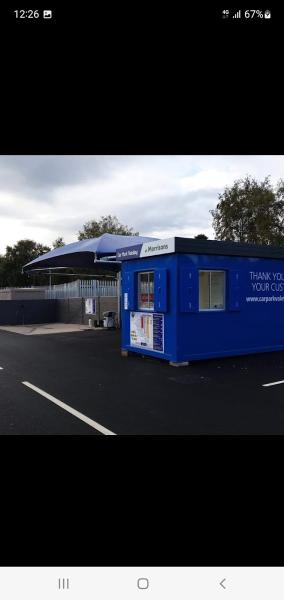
<point>160,290</point>
<point>188,289</point>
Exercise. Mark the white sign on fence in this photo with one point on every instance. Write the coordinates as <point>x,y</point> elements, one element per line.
<point>90,306</point>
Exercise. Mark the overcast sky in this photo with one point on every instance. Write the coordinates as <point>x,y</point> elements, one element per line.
<point>44,197</point>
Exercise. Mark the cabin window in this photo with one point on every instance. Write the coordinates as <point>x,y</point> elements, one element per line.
<point>146,290</point>
<point>211,290</point>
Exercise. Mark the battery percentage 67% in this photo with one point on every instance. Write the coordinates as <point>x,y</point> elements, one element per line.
<point>250,14</point>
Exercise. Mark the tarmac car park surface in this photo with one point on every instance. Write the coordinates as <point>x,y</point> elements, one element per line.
<point>78,383</point>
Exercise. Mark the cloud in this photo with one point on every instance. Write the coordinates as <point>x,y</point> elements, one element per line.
<point>40,174</point>
<point>43,197</point>
<point>172,212</point>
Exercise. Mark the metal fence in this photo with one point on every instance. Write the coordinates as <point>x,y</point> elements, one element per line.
<point>82,289</point>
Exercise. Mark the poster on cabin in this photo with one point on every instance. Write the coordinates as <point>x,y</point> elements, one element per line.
<point>147,331</point>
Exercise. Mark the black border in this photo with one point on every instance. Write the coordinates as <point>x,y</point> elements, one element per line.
<point>202,501</point>
<point>141,501</point>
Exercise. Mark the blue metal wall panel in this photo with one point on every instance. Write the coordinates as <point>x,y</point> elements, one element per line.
<point>27,312</point>
<point>160,290</point>
<point>165,266</point>
<point>234,290</point>
<point>253,319</point>
<point>188,289</point>
<point>129,288</point>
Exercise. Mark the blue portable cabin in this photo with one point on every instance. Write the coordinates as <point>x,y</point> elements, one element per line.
<point>185,299</point>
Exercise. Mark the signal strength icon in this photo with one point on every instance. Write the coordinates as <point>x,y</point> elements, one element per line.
<point>237,15</point>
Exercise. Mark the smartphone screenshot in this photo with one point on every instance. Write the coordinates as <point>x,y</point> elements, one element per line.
<point>141,301</point>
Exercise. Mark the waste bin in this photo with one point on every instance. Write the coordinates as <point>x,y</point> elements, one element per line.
<point>109,319</point>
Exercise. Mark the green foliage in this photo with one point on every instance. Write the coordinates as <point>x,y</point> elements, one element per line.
<point>201,236</point>
<point>108,224</point>
<point>15,258</point>
<point>58,243</point>
<point>250,212</point>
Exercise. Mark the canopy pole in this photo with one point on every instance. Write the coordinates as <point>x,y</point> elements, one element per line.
<point>118,297</point>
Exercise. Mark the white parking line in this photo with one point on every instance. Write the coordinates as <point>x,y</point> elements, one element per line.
<point>273,383</point>
<point>72,411</point>
<point>1,368</point>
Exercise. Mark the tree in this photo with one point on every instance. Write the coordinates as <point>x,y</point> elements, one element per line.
<point>58,243</point>
<point>108,224</point>
<point>201,236</point>
<point>250,212</point>
<point>15,258</point>
<point>2,271</point>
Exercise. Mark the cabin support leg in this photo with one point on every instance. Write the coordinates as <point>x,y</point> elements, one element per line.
<point>178,364</point>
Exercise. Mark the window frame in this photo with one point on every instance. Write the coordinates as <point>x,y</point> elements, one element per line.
<point>139,273</point>
<point>224,295</point>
